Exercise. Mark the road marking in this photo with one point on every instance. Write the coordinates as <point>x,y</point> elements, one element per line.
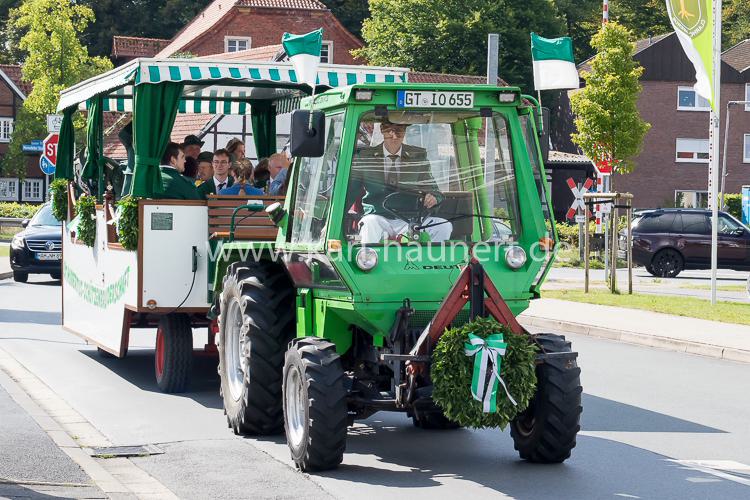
<point>113,476</point>
<point>718,468</point>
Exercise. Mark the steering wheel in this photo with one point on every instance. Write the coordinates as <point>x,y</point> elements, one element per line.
<point>414,212</point>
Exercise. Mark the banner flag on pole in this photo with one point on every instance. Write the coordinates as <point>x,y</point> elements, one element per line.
<point>554,66</point>
<point>304,52</point>
<point>693,23</point>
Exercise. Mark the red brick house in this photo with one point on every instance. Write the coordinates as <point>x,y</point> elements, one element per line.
<point>13,91</point>
<point>239,25</point>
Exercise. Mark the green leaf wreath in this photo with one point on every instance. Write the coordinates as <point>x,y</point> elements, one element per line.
<point>452,372</point>
<point>127,222</point>
<point>86,208</point>
<point>59,190</point>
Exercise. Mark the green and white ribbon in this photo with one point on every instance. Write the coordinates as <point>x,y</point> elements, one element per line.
<point>486,352</point>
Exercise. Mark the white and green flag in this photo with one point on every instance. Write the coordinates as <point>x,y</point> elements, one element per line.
<point>693,21</point>
<point>554,66</point>
<point>304,52</point>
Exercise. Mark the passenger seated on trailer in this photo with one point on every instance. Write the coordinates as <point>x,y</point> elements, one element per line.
<point>220,179</point>
<point>174,185</point>
<point>261,175</point>
<point>243,185</point>
<point>278,169</point>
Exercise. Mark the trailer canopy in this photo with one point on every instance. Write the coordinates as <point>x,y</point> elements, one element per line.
<point>156,90</point>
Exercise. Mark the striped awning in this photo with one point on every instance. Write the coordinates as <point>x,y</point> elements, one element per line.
<point>216,86</point>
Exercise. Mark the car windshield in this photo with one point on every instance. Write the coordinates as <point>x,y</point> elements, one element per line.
<point>44,217</point>
<point>432,177</point>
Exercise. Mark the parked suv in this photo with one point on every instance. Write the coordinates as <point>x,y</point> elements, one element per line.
<point>38,248</point>
<point>667,241</point>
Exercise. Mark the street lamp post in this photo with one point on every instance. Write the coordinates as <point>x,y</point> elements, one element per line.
<point>724,154</point>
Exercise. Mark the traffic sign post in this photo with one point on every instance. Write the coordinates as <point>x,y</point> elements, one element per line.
<point>54,123</point>
<point>574,212</point>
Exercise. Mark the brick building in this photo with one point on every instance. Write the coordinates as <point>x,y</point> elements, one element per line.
<point>13,91</point>
<point>672,169</point>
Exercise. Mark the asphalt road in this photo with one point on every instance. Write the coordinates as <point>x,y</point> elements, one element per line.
<point>656,424</point>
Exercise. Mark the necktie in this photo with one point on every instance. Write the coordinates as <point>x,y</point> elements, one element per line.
<point>391,177</point>
<point>220,186</point>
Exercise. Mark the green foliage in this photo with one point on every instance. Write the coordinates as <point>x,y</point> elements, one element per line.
<point>733,204</point>
<point>582,19</point>
<point>452,373</point>
<point>127,222</point>
<point>351,13</point>
<point>86,209</point>
<point>607,118</point>
<point>18,210</point>
<point>450,36</point>
<point>59,189</point>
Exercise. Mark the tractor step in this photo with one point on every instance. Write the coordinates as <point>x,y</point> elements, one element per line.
<point>405,357</point>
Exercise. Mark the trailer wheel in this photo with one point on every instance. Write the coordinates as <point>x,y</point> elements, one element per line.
<point>315,411</point>
<point>546,431</point>
<point>173,356</point>
<point>256,323</point>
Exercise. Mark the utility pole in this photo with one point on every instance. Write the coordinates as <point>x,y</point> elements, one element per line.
<point>713,169</point>
<point>493,56</point>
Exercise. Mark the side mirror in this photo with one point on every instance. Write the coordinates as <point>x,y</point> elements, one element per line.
<point>25,223</point>
<point>307,137</point>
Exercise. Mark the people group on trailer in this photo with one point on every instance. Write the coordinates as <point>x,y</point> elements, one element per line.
<point>188,173</point>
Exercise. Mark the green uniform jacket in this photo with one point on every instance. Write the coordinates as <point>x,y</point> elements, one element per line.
<point>176,186</point>
<point>368,177</point>
<point>208,187</point>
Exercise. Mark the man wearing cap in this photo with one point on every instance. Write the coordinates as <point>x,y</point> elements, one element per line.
<point>205,167</point>
<point>192,146</point>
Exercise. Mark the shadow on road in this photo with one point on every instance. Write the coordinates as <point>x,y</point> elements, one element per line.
<point>35,317</point>
<point>138,369</point>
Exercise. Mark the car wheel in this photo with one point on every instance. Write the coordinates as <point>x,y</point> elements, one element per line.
<point>667,263</point>
<point>20,276</point>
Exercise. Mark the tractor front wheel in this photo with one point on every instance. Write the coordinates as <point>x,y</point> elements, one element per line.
<point>546,431</point>
<point>315,411</point>
<point>173,356</point>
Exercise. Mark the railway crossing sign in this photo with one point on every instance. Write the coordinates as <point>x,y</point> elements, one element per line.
<point>578,193</point>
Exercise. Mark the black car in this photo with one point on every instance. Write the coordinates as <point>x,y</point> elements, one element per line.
<point>667,241</point>
<point>38,248</point>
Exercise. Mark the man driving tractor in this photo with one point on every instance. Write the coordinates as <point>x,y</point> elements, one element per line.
<point>388,169</point>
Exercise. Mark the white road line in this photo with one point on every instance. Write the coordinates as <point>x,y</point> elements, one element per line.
<point>719,468</point>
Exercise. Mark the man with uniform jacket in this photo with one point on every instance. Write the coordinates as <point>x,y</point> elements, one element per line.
<point>174,185</point>
<point>220,179</point>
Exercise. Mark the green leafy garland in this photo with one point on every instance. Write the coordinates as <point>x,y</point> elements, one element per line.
<point>59,190</point>
<point>452,371</point>
<point>127,222</point>
<point>87,220</point>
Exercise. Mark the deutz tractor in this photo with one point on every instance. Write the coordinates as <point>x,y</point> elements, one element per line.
<point>411,208</point>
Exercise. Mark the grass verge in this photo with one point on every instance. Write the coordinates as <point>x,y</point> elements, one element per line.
<point>4,250</point>
<point>690,307</point>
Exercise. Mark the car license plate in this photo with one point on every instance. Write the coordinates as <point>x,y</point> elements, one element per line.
<point>429,99</point>
<point>48,256</point>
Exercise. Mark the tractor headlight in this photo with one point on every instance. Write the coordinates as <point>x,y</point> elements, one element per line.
<point>515,257</point>
<point>367,259</point>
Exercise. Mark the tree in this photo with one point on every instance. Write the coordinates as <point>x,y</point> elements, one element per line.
<point>55,60</point>
<point>606,116</point>
<point>582,19</point>
<point>450,36</point>
<point>351,13</point>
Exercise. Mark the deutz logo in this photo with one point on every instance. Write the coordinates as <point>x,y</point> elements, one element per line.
<point>688,16</point>
<point>411,266</point>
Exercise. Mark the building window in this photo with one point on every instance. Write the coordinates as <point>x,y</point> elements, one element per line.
<point>236,43</point>
<point>8,189</point>
<point>746,156</point>
<point>692,151</point>
<point>691,199</point>
<point>6,129</point>
<point>326,52</point>
<point>32,190</point>
<point>689,100</point>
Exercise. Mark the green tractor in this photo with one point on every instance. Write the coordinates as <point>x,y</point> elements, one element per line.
<point>410,208</point>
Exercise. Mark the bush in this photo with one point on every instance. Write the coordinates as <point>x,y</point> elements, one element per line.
<point>86,208</point>
<point>59,190</point>
<point>733,203</point>
<point>18,210</point>
<point>127,223</point>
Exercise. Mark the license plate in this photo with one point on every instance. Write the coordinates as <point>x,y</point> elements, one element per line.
<point>48,256</point>
<point>429,99</point>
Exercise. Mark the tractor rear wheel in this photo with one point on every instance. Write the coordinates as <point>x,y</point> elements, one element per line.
<point>173,356</point>
<point>256,323</point>
<point>546,431</point>
<point>315,411</point>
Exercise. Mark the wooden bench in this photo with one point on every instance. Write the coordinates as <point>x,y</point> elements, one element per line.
<point>248,225</point>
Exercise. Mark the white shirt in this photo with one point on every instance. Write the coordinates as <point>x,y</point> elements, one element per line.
<point>217,182</point>
<point>387,161</point>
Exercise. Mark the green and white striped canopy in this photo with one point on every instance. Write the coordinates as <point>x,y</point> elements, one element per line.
<point>218,87</point>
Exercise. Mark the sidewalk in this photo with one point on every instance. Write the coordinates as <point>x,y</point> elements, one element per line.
<point>677,333</point>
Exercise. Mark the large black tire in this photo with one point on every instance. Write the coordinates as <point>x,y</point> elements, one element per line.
<point>20,276</point>
<point>260,297</point>
<point>667,263</point>
<point>173,357</point>
<point>546,431</point>
<point>315,411</point>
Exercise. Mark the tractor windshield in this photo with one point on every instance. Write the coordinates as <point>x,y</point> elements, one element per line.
<point>432,177</point>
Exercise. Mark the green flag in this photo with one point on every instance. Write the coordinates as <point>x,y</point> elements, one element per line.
<point>304,52</point>
<point>554,66</point>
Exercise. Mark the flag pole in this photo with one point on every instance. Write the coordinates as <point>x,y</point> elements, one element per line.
<point>715,119</point>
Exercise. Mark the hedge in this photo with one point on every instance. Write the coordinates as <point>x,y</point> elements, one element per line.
<point>733,203</point>
<point>18,210</point>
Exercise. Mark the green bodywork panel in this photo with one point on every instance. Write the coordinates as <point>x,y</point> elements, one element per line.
<point>369,300</point>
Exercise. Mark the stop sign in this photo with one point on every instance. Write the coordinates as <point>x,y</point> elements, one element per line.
<point>49,150</point>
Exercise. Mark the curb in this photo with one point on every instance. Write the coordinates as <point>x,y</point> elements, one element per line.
<point>643,339</point>
<point>5,276</point>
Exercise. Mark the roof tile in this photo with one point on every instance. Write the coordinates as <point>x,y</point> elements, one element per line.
<point>184,125</point>
<point>266,53</point>
<point>738,56</point>
<point>131,46</point>
<point>15,74</point>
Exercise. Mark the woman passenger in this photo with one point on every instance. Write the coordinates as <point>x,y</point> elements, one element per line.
<point>243,184</point>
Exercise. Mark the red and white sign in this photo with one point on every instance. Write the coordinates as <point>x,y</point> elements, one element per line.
<point>49,150</point>
<point>578,196</point>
